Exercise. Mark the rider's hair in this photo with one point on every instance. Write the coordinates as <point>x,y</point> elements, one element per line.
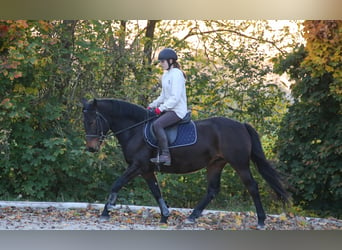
<point>178,66</point>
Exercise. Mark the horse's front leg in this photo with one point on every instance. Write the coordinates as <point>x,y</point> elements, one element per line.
<point>154,187</point>
<point>129,174</point>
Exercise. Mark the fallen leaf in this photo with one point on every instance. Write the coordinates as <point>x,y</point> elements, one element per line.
<point>164,225</point>
<point>282,217</point>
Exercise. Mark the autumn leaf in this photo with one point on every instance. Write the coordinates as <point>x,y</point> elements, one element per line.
<point>282,217</point>
<point>17,74</point>
<point>163,225</point>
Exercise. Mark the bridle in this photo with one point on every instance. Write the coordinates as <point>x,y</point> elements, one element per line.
<point>102,136</point>
<point>99,124</point>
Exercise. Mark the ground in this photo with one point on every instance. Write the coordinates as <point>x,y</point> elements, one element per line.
<point>83,216</point>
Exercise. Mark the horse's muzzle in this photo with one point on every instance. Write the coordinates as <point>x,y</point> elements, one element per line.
<point>93,145</point>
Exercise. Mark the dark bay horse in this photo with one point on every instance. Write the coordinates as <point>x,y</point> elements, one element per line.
<point>219,141</point>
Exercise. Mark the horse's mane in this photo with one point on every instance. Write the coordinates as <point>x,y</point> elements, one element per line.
<point>121,107</point>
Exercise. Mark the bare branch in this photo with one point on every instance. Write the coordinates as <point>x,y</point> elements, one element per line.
<point>201,33</point>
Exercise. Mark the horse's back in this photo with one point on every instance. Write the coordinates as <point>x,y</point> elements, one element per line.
<point>227,135</point>
<point>220,123</point>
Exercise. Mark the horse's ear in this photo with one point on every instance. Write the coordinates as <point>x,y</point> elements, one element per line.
<point>95,103</point>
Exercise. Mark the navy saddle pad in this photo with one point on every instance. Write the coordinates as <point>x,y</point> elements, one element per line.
<point>181,134</point>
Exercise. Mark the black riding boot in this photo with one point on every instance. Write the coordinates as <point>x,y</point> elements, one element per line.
<point>165,157</point>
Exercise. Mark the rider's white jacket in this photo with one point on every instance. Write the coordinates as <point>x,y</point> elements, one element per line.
<point>173,94</point>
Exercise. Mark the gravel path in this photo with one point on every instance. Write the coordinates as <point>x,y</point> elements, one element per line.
<point>84,216</point>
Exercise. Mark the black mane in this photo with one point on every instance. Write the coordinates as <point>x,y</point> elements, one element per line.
<point>124,108</point>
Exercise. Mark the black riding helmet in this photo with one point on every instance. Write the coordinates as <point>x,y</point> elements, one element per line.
<point>167,54</point>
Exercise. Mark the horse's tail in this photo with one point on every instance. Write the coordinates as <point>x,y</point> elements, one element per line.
<point>266,170</point>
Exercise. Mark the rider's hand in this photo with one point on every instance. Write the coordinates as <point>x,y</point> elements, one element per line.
<point>157,111</point>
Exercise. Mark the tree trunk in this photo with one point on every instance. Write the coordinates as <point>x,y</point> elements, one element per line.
<point>67,44</point>
<point>149,35</point>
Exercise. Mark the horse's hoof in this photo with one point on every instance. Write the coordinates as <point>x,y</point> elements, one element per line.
<point>104,218</point>
<point>260,227</point>
<point>110,207</point>
<point>190,221</point>
<point>163,220</point>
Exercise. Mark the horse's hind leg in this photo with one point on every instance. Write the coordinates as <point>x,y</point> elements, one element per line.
<point>154,187</point>
<point>252,187</point>
<point>214,181</point>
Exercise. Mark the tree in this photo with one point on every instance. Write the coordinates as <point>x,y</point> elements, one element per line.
<point>310,140</point>
<point>41,155</point>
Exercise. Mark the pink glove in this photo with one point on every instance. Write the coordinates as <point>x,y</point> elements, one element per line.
<point>157,111</point>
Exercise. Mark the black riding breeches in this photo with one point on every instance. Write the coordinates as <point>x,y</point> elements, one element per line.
<point>165,120</point>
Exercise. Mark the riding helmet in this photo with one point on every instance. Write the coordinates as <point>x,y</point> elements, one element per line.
<point>166,54</point>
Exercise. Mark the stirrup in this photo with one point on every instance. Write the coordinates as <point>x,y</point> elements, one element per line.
<point>164,159</point>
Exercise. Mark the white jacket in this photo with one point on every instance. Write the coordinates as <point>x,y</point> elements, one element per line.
<point>173,94</point>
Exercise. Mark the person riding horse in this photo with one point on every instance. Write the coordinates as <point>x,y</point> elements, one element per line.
<point>219,141</point>
<point>171,104</point>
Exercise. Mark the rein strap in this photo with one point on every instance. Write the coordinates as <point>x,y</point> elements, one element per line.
<point>133,126</point>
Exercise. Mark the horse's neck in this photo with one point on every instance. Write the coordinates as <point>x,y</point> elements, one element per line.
<point>122,115</point>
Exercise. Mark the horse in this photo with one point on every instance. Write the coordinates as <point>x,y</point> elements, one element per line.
<point>220,141</point>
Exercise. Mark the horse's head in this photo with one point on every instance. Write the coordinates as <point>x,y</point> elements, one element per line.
<point>95,124</point>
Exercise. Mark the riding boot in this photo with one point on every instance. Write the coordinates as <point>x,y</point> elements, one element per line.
<point>165,157</point>
<point>167,119</point>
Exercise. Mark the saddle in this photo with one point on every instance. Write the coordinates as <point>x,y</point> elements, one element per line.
<point>183,133</point>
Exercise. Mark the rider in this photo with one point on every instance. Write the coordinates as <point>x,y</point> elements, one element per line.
<point>171,105</point>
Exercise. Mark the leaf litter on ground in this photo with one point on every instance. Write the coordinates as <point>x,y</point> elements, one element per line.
<point>124,218</point>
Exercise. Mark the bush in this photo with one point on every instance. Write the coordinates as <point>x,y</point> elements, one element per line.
<point>310,140</point>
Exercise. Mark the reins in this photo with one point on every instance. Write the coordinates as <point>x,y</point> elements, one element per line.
<point>133,126</point>
<point>103,136</point>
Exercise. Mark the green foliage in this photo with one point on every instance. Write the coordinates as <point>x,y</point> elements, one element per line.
<point>42,157</point>
<point>310,139</point>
